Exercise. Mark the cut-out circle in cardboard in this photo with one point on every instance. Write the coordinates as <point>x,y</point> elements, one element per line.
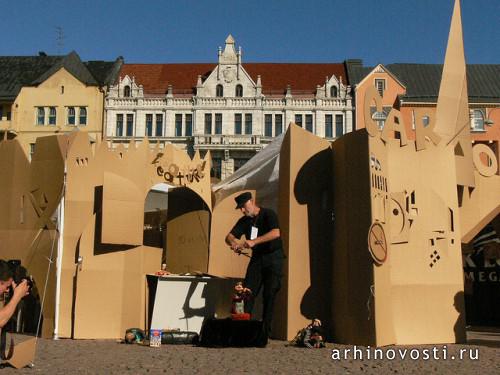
<point>377,243</point>
<point>491,167</point>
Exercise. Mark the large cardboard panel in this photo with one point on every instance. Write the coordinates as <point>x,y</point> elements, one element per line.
<point>122,211</point>
<point>188,221</point>
<point>428,264</point>
<point>222,261</point>
<point>306,226</point>
<point>352,303</point>
<point>187,242</point>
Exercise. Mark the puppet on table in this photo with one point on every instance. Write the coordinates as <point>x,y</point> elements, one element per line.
<point>240,296</point>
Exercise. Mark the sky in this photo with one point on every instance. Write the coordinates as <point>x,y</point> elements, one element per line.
<point>176,31</point>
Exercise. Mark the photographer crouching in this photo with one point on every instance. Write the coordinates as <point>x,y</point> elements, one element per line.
<point>18,292</point>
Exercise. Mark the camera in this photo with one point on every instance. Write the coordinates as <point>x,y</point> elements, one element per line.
<point>28,311</point>
<point>19,273</point>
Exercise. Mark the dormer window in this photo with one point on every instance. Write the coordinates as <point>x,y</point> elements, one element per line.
<point>380,86</point>
<point>239,91</point>
<point>219,91</point>
<point>334,91</point>
<point>126,91</point>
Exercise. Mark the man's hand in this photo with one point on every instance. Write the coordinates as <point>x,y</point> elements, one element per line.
<point>250,244</point>
<point>20,290</point>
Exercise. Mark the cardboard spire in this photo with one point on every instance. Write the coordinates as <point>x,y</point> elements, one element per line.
<point>452,112</point>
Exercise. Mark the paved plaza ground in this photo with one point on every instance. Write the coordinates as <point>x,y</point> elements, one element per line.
<point>110,357</point>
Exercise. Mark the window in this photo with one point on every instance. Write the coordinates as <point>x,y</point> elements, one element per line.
<point>278,124</point>
<point>268,125</point>
<point>149,125</point>
<point>339,125</point>
<point>159,124</point>
<point>82,116</point>
<point>477,120</point>
<point>189,125</point>
<point>215,171</point>
<point>32,150</point>
<point>8,116</point>
<point>126,91</point>
<point>130,124</point>
<point>178,125</point>
<point>71,116</point>
<point>380,117</point>
<point>40,116</point>
<point>298,120</point>
<point>239,91</point>
<point>1,112</point>
<point>208,123</point>
<point>309,123</point>
<point>52,115</point>
<point>119,125</point>
<point>237,123</point>
<point>218,123</point>
<point>334,91</point>
<point>248,123</point>
<point>328,126</point>
<point>239,162</point>
<point>380,86</point>
<point>219,91</point>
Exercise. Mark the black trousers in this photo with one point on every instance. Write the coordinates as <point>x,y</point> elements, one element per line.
<point>265,271</point>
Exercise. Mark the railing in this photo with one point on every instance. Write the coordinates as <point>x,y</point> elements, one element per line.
<point>233,140</point>
<point>225,102</point>
<point>152,140</point>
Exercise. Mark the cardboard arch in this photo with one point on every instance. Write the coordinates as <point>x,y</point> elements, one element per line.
<point>100,196</point>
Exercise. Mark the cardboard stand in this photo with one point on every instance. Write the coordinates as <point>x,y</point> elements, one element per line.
<point>24,351</point>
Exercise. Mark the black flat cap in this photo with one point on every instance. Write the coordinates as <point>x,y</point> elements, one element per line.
<point>242,199</point>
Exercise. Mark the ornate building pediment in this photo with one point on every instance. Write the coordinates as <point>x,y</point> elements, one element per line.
<point>126,88</point>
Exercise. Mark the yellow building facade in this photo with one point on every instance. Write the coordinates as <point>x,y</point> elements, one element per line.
<point>68,96</point>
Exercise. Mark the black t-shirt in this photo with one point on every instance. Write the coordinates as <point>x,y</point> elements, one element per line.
<point>265,221</point>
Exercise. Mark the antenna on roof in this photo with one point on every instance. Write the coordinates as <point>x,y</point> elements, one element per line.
<point>60,39</point>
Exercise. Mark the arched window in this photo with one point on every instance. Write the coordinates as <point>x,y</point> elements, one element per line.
<point>219,91</point>
<point>239,91</point>
<point>380,117</point>
<point>71,115</point>
<point>126,91</point>
<point>334,91</point>
<point>477,120</point>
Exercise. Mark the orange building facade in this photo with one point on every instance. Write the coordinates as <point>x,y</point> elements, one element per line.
<point>413,90</point>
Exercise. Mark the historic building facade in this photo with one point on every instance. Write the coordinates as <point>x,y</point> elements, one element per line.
<point>231,109</point>
<point>413,89</point>
<point>44,95</point>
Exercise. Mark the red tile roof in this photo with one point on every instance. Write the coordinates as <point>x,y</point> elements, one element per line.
<point>303,78</point>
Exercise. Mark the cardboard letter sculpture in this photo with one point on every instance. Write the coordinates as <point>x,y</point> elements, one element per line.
<point>373,224</point>
<point>98,244</point>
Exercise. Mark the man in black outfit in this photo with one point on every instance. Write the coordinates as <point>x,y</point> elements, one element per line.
<point>262,235</point>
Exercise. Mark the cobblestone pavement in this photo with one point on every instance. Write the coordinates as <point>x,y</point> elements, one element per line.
<point>110,357</point>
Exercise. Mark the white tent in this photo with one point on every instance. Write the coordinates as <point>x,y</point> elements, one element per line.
<point>260,173</point>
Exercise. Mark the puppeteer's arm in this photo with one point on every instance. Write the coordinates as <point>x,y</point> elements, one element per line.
<point>231,241</point>
<point>269,236</point>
